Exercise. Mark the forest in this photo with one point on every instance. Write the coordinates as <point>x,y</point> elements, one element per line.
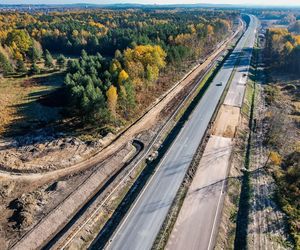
<point>283,48</point>
<point>283,54</point>
<point>110,58</point>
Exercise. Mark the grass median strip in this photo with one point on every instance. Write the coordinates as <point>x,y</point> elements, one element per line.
<point>137,185</point>
<point>242,219</point>
<point>166,229</point>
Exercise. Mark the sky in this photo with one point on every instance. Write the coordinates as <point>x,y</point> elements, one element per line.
<point>248,2</point>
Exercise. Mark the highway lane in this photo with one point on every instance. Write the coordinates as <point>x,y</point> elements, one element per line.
<point>197,224</point>
<point>237,88</point>
<point>139,228</point>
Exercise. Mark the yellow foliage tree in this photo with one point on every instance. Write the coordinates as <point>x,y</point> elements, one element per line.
<point>210,30</point>
<point>192,28</point>
<point>17,55</point>
<point>138,59</point>
<point>184,39</point>
<point>112,99</point>
<point>226,24</point>
<point>288,47</point>
<point>152,73</point>
<point>297,39</point>
<point>275,158</point>
<point>123,76</point>
<point>115,66</point>
<point>75,33</point>
<point>19,40</point>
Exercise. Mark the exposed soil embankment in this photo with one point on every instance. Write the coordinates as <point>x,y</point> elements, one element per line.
<point>64,150</point>
<point>45,152</point>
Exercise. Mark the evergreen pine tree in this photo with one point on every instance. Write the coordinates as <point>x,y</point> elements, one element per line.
<point>34,69</point>
<point>5,65</point>
<point>21,66</point>
<point>61,61</point>
<point>48,60</point>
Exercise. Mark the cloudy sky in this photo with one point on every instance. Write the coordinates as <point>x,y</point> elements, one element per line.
<point>253,2</point>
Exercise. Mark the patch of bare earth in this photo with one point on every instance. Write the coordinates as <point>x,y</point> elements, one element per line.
<point>46,207</point>
<point>227,121</point>
<point>45,158</point>
<point>226,234</point>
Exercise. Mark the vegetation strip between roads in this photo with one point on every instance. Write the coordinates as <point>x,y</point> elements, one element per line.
<point>199,87</point>
<point>173,213</point>
<point>243,211</point>
<point>150,167</point>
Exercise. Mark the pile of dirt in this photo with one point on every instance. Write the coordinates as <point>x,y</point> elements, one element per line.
<point>44,151</point>
<point>25,207</point>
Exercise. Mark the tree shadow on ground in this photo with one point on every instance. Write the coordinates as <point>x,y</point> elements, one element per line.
<point>40,114</point>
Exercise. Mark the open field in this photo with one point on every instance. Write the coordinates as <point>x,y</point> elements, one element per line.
<point>19,106</point>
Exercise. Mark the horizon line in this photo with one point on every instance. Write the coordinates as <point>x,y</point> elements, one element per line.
<point>151,4</point>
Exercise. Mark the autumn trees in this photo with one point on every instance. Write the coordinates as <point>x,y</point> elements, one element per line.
<point>102,90</point>
<point>20,42</point>
<point>17,49</point>
<point>112,98</point>
<point>104,31</point>
<point>283,49</point>
<point>184,34</point>
<point>137,46</point>
<point>143,63</point>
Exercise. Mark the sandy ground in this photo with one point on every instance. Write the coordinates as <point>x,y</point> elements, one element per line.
<point>226,122</point>
<point>193,228</point>
<point>54,220</point>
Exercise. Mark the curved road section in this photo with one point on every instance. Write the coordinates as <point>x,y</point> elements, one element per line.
<point>140,227</point>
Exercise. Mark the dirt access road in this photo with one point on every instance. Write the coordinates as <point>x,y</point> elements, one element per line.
<point>146,122</point>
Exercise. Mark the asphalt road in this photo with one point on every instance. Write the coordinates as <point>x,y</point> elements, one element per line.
<point>237,87</point>
<point>139,228</point>
<point>196,225</point>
